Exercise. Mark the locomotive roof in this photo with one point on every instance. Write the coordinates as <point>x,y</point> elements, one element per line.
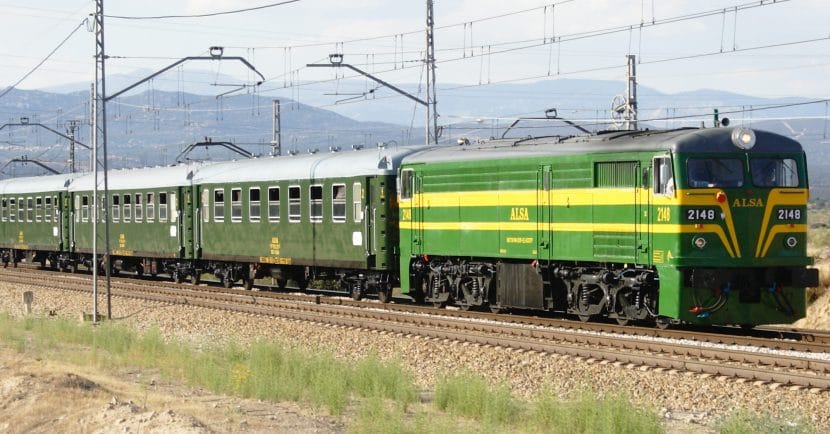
<point>712,140</point>
<point>375,161</point>
<point>34,184</point>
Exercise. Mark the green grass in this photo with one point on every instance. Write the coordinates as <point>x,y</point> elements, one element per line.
<point>263,370</point>
<point>470,396</point>
<point>381,396</point>
<point>588,413</point>
<point>741,422</point>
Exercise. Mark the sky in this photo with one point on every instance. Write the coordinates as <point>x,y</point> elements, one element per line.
<point>764,49</point>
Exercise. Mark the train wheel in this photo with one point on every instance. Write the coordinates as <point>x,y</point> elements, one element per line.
<point>281,283</point>
<point>584,318</point>
<point>622,321</point>
<point>248,284</point>
<point>662,322</point>
<point>495,309</point>
<point>357,291</point>
<point>177,277</point>
<point>195,278</point>
<point>73,267</point>
<point>385,295</point>
<point>227,282</point>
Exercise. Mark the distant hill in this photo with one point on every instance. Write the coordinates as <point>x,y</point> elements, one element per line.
<point>154,126</point>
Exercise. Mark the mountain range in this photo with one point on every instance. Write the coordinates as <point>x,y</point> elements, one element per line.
<point>154,126</point>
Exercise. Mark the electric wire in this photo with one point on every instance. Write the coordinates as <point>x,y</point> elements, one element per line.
<point>211,14</point>
<point>31,71</point>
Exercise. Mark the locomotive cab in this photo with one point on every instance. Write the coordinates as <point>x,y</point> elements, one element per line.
<point>739,255</point>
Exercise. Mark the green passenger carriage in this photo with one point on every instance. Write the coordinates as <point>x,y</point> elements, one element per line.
<point>703,226</point>
<point>328,217</point>
<point>34,225</point>
<point>147,231</point>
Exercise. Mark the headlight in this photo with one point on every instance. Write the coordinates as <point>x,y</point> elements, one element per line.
<point>791,241</point>
<point>699,242</point>
<point>743,138</point>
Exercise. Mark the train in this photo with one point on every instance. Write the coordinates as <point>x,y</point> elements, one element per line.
<point>703,226</point>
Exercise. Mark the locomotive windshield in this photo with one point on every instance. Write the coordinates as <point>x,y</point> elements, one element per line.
<point>715,172</point>
<point>774,172</point>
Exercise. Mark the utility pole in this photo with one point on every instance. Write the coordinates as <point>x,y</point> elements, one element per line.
<point>99,120</point>
<point>276,137</point>
<point>631,94</point>
<point>432,118</point>
<point>71,126</point>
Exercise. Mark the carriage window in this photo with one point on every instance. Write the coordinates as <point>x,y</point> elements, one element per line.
<point>338,202</point>
<point>663,176</point>
<point>85,208</point>
<point>236,204</point>
<point>294,204</point>
<point>38,209</point>
<point>162,207</point>
<point>116,208</point>
<point>774,172</point>
<point>12,209</point>
<point>715,172</point>
<point>253,204</point>
<point>219,205</point>
<point>405,187</point>
<point>273,204</point>
<point>206,205</point>
<point>57,210</point>
<point>139,210</point>
<point>30,209</point>
<point>315,203</point>
<point>21,209</point>
<point>47,209</point>
<point>357,202</point>
<point>4,214</point>
<point>151,207</point>
<point>127,208</point>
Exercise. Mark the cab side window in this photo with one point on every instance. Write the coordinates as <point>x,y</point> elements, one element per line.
<point>663,177</point>
<point>406,184</point>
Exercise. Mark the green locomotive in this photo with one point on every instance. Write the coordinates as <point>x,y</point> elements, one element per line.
<point>701,226</point>
<point>704,226</point>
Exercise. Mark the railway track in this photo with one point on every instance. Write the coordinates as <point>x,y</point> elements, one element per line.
<point>745,358</point>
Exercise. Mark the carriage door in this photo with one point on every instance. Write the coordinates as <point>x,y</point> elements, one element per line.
<point>370,212</point>
<point>201,215</point>
<point>186,216</point>
<point>642,206</point>
<point>543,246</point>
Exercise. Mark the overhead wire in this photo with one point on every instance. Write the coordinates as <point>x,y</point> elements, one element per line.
<point>210,14</point>
<point>31,71</point>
